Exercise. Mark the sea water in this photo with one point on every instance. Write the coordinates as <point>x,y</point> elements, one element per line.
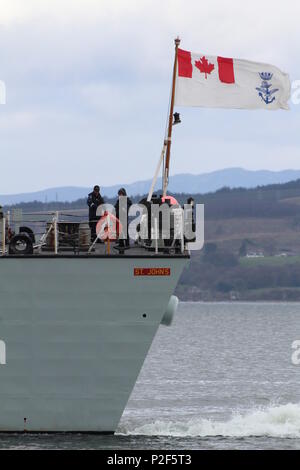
<point>223,376</point>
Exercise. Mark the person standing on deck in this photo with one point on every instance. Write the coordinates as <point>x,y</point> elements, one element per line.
<point>189,218</point>
<point>122,214</point>
<point>94,200</point>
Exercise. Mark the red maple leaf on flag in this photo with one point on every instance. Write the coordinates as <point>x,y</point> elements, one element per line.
<point>204,66</point>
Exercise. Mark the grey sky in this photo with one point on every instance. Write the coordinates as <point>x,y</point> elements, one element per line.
<point>88,87</point>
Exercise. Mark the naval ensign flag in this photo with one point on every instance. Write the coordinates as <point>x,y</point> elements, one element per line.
<point>218,82</point>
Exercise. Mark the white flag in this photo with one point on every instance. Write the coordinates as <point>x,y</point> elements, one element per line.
<point>218,82</point>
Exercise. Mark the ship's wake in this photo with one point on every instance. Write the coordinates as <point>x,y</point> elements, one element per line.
<point>274,421</point>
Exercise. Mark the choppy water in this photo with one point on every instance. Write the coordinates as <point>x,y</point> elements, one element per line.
<point>221,377</point>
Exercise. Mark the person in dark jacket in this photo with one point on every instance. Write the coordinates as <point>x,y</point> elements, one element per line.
<point>94,200</point>
<point>190,217</point>
<point>122,214</point>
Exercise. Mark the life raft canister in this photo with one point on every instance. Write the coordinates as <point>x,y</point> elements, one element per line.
<point>108,227</point>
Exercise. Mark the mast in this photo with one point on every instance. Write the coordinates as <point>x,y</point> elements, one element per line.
<point>167,164</point>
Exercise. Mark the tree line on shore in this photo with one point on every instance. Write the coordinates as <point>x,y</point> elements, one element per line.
<point>263,201</point>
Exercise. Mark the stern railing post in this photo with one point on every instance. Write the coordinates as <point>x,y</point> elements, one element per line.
<point>182,231</point>
<point>156,235</point>
<point>3,235</point>
<point>56,233</point>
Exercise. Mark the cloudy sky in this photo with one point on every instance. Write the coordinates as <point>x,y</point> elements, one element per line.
<point>88,82</point>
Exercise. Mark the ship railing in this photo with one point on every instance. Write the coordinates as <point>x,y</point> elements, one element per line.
<point>46,225</point>
<point>41,223</point>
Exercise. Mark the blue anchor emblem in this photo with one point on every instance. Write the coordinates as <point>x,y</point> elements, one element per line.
<point>265,91</point>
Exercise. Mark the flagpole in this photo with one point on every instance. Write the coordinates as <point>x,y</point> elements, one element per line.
<point>169,139</point>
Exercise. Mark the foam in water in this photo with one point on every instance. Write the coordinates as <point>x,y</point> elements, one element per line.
<point>274,421</point>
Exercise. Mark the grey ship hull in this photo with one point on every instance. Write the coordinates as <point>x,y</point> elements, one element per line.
<point>76,337</point>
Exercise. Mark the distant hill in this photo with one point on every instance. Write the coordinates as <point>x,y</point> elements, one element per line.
<point>267,201</point>
<point>181,183</point>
